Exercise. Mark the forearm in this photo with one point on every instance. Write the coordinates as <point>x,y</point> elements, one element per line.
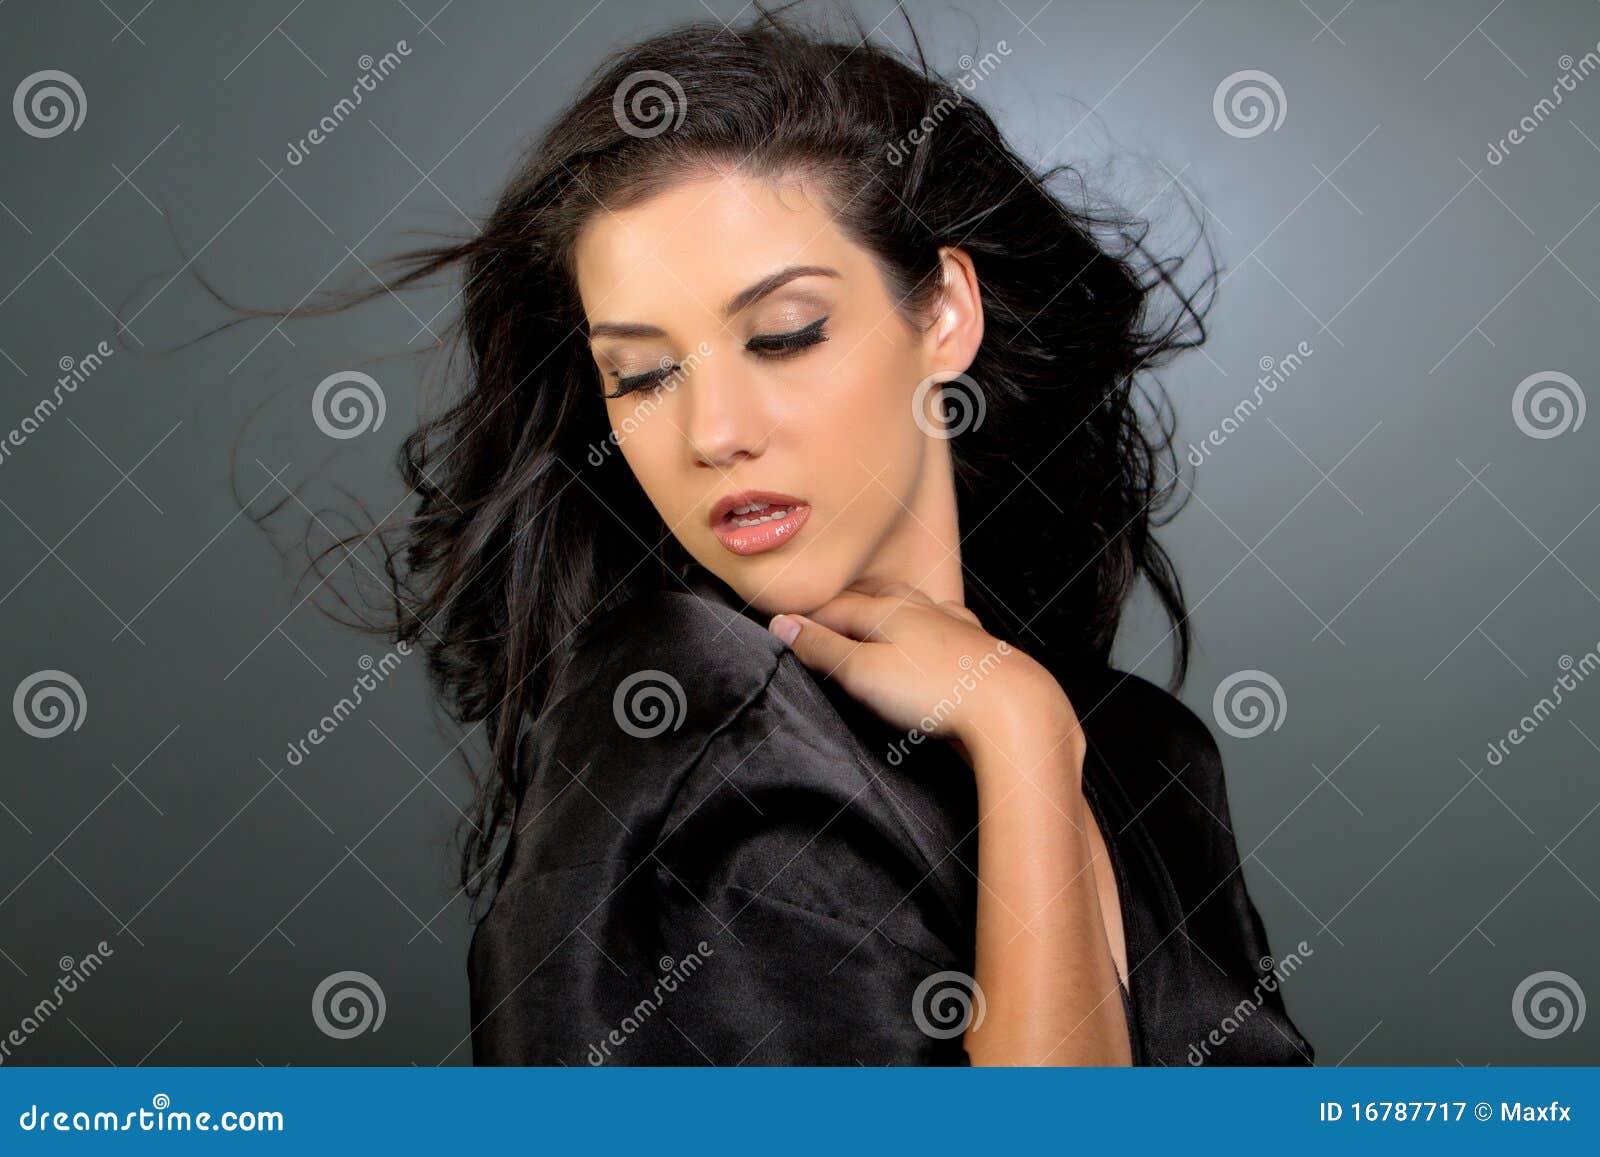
<point>1043,963</point>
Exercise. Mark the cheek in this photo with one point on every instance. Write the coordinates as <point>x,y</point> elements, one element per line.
<point>651,458</point>
<point>889,425</point>
<point>866,450</point>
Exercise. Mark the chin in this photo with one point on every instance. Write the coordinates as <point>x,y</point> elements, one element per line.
<point>780,583</point>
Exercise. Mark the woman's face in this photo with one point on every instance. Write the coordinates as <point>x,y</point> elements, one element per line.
<point>762,359</point>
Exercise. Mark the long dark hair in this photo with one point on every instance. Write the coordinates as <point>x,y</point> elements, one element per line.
<point>517,539</point>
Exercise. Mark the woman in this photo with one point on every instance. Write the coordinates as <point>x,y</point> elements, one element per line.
<point>778,541</point>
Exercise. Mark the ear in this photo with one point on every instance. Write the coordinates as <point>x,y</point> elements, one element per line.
<point>958,314</point>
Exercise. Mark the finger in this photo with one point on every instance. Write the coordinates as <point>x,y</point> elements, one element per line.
<point>864,617</point>
<point>818,647</point>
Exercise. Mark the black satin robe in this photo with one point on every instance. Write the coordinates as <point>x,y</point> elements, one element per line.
<point>723,859</point>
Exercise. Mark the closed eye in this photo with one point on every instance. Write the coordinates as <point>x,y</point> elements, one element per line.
<point>772,346</point>
<point>787,344</point>
<point>650,381</point>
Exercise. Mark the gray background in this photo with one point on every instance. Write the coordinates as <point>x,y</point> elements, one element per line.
<point>1381,536</point>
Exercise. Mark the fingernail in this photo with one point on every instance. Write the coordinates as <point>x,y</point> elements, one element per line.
<point>785,628</point>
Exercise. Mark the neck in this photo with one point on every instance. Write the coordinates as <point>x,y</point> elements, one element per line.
<point>924,546</point>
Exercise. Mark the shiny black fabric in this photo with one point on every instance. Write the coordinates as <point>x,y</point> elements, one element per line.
<point>779,877</point>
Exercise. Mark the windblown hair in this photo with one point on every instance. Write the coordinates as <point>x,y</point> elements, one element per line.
<point>518,540</point>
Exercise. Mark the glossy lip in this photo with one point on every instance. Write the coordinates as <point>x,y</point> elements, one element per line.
<point>767,536</point>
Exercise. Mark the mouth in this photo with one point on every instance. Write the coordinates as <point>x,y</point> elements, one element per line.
<point>753,521</point>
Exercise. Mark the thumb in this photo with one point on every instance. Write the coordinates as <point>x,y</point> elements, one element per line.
<point>815,645</point>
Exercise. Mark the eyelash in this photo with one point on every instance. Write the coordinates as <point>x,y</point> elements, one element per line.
<point>773,347</point>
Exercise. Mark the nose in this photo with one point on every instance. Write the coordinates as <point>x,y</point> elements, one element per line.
<point>729,416</point>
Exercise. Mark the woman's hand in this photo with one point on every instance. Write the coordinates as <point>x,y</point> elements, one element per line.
<point>929,666</point>
<point>1043,957</point>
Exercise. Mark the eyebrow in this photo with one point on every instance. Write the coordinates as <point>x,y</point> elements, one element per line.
<point>736,304</point>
